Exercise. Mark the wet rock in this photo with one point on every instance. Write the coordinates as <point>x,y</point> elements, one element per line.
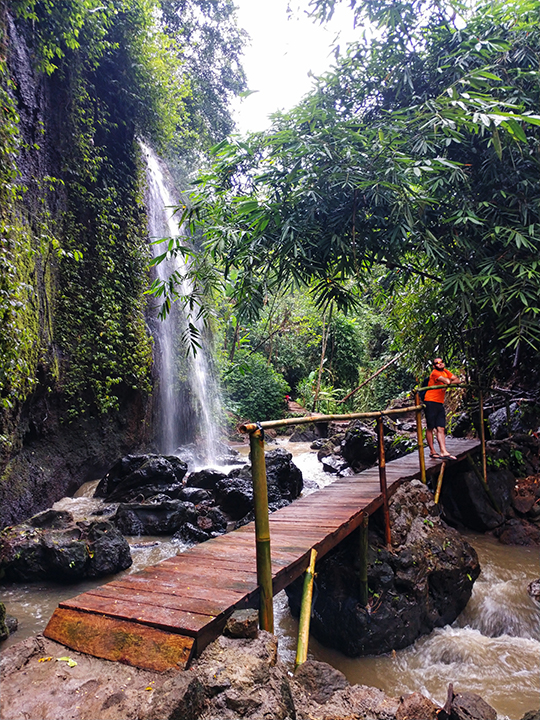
<point>534,590</point>
<point>210,523</point>
<point>359,446</point>
<point>108,550</point>
<point>284,478</point>
<point>423,582</point>
<point>207,479</point>
<point>65,551</point>
<point>532,715</point>
<point>235,496</point>
<point>334,464</point>
<point>301,434</point>
<point>284,481</point>
<point>194,495</point>
<point>4,629</point>
<point>502,424</point>
<point>469,706</point>
<point>243,624</point>
<point>462,426</point>
<point>139,477</point>
<point>466,502</point>
<point>518,531</point>
<point>163,518</point>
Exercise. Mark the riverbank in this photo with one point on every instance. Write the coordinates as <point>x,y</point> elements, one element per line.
<point>234,678</point>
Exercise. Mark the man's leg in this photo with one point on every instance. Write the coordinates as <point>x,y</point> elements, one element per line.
<point>441,439</point>
<point>429,438</point>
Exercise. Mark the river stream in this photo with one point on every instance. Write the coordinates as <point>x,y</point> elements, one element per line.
<point>492,649</point>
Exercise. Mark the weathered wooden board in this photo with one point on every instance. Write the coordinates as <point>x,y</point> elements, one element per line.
<point>120,641</point>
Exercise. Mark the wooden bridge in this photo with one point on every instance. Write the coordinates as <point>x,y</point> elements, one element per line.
<point>164,615</point>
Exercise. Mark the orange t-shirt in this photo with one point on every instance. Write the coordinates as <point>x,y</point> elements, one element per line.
<point>437,395</point>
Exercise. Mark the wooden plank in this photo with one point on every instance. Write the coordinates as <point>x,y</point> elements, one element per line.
<point>213,608</point>
<point>136,583</point>
<point>120,641</point>
<point>163,618</point>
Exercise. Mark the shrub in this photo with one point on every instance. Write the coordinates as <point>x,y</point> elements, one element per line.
<point>254,389</point>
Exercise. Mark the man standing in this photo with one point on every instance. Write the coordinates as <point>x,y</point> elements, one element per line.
<point>435,415</point>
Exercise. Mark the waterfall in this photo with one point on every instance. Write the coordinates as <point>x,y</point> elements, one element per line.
<point>189,406</point>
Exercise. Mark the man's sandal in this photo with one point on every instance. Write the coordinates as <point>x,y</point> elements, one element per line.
<point>448,457</point>
<point>435,456</point>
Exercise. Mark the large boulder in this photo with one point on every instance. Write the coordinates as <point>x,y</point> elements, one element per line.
<point>139,477</point>
<point>8,623</point>
<point>52,545</point>
<point>423,582</point>
<point>467,503</point>
<point>206,479</point>
<point>359,447</point>
<point>284,481</point>
<point>163,517</point>
<point>503,422</point>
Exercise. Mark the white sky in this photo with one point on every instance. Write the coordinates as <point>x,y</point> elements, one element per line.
<point>282,53</point>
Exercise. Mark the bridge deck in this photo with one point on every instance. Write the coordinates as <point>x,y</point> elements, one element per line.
<point>159,617</point>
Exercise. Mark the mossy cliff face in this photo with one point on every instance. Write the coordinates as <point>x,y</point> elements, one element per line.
<point>75,355</point>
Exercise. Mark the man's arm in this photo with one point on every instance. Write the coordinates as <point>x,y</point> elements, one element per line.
<point>444,380</point>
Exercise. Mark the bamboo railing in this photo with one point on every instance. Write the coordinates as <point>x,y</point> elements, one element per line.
<point>262,532</point>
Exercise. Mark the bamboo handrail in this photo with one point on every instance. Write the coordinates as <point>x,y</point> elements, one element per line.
<point>262,530</point>
<point>268,424</point>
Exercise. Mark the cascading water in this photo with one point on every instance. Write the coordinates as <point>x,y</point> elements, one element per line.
<point>189,399</point>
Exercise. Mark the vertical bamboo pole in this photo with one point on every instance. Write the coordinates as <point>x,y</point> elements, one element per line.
<point>439,483</point>
<point>305,612</point>
<point>382,480</point>
<point>262,531</point>
<point>363,559</point>
<point>421,456</point>
<point>483,439</point>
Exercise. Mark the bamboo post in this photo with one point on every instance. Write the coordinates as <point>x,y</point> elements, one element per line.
<point>483,439</point>
<point>382,480</point>
<point>421,456</point>
<point>305,612</point>
<point>262,531</point>
<point>363,547</point>
<point>439,483</point>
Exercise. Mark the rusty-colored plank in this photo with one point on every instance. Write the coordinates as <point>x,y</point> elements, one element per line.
<point>120,641</point>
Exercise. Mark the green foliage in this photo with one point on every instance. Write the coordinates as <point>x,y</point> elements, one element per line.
<point>327,396</point>
<point>418,154</point>
<point>100,318</point>
<point>210,49</point>
<point>60,26</point>
<point>254,390</point>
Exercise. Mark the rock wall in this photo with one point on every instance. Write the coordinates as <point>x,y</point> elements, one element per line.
<point>74,325</point>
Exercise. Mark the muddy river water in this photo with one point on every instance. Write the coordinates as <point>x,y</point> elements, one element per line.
<point>492,649</point>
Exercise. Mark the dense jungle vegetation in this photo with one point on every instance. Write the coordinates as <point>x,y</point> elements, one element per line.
<point>80,82</point>
<point>395,209</point>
